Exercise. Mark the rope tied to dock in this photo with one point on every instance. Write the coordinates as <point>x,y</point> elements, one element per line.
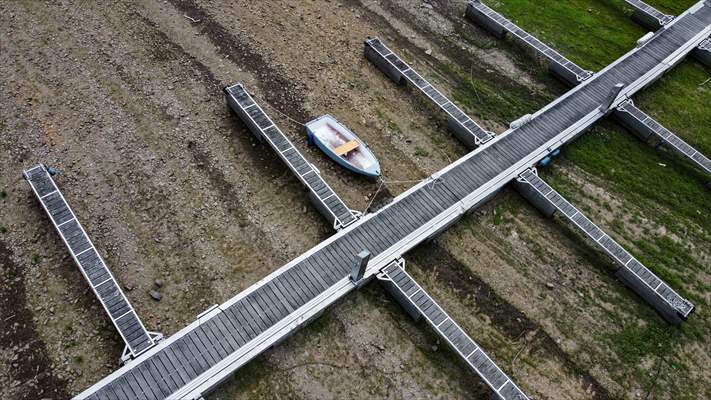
<point>283,114</point>
<point>382,182</point>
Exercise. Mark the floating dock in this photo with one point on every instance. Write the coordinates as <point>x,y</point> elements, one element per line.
<point>653,19</point>
<point>92,266</point>
<point>668,303</point>
<point>648,16</point>
<point>463,126</point>
<point>646,127</point>
<point>322,196</point>
<point>497,24</point>
<point>629,116</point>
<point>418,304</point>
<point>199,357</point>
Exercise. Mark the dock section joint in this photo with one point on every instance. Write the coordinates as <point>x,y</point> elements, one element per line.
<point>646,128</point>
<point>648,16</point>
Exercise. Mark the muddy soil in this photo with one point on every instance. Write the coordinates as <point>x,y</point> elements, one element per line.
<point>125,101</point>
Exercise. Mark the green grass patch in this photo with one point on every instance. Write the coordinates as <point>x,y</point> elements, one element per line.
<point>592,33</point>
<point>390,125</point>
<point>421,152</point>
<point>494,100</point>
<point>649,352</point>
<point>505,210</point>
<point>661,188</point>
<point>633,169</point>
<point>681,101</point>
<point>635,342</point>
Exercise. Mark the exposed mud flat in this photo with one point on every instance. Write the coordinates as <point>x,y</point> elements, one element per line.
<point>125,101</point>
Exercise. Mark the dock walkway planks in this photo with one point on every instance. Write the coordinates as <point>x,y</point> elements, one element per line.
<point>644,125</point>
<point>651,18</point>
<point>648,16</point>
<point>419,303</point>
<point>90,263</point>
<point>195,360</point>
<point>468,131</point>
<point>499,25</point>
<point>635,119</point>
<point>644,282</point>
<point>325,198</point>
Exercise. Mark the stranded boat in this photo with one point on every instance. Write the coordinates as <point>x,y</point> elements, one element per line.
<point>342,145</point>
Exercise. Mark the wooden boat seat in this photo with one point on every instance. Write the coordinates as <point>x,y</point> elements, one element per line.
<point>346,147</point>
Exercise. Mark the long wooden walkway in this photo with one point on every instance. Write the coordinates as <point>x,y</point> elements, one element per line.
<point>419,303</point>
<point>626,112</point>
<point>200,356</point>
<point>92,266</point>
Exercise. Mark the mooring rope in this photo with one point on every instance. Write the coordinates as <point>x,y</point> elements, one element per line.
<point>283,114</point>
<point>383,182</point>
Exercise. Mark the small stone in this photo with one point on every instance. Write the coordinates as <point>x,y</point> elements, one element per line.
<point>158,283</point>
<point>550,285</point>
<point>428,52</point>
<point>155,295</point>
<point>435,348</point>
<point>128,287</point>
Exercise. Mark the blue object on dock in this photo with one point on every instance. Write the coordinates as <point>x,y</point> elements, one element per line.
<point>342,145</point>
<point>544,162</point>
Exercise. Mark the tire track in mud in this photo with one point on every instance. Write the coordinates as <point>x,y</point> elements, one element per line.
<point>227,191</point>
<point>32,367</point>
<point>277,89</point>
<point>456,54</point>
<point>165,49</point>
